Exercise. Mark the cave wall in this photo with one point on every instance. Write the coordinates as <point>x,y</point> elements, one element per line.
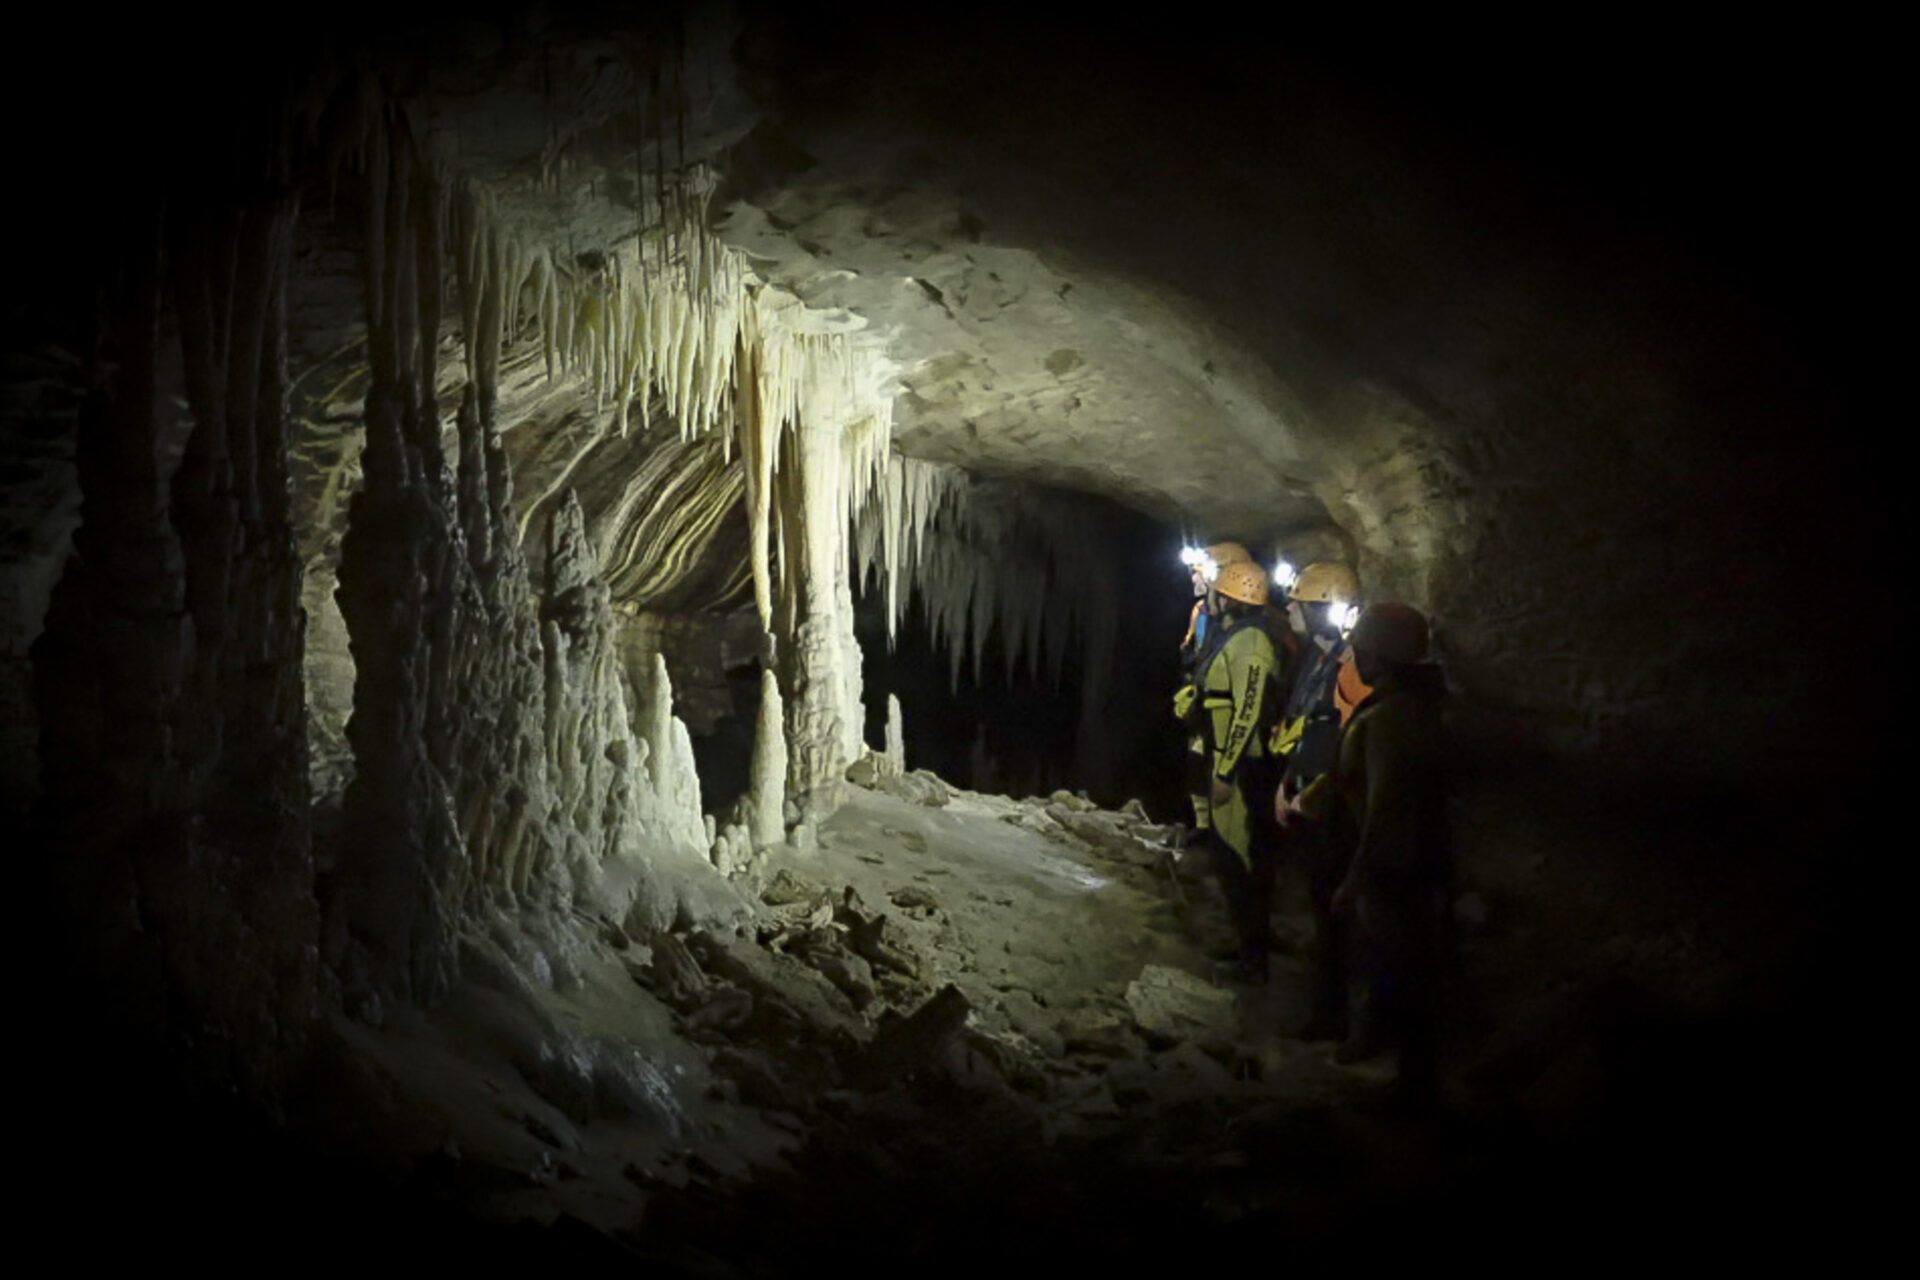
<point>171,809</point>
<point>1538,338</point>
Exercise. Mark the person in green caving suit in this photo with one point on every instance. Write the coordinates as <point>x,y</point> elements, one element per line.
<point>1235,682</point>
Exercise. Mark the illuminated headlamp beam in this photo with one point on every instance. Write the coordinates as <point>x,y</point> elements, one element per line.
<point>1285,575</point>
<point>1195,558</point>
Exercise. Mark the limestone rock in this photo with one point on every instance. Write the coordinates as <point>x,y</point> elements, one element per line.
<point>760,1080</point>
<point>867,771</point>
<point>919,787</point>
<point>881,945</point>
<point>1106,834</point>
<point>786,889</point>
<point>1196,1070</point>
<point>849,972</point>
<point>677,977</point>
<point>1030,1020</point>
<point>916,902</point>
<point>1171,1005</point>
<point>904,1045</point>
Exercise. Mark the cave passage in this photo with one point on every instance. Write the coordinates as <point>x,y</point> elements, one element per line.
<point>989,720</point>
<point>591,598</point>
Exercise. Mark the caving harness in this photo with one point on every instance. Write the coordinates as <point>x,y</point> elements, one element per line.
<point>1226,733</point>
<point>1308,733</point>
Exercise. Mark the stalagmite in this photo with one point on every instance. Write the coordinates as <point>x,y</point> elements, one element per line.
<point>767,793</point>
<point>405,861</point>
<point>670,768</point>
<point>586,729</point>
<point>896,735</point>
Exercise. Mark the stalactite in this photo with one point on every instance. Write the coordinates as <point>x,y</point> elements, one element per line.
<point>497,769</point>
<point>987,558</point>
<point>671,313</point>
<point>676,313</point>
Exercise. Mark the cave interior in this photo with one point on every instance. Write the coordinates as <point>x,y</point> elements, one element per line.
<point>591,596</point>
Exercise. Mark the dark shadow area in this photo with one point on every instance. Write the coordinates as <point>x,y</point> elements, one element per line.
<point>723,756</point>
<point>1009,732</point>
<point>1702,1137</point>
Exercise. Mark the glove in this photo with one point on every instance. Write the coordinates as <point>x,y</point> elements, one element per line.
<point>1183,701</point>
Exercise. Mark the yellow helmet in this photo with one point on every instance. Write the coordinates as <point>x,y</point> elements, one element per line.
<point>1243,580</point>
<point>1326,581</point>
<point>1226,553</point>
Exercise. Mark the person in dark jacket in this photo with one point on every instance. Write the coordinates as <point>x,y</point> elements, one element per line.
<point>1385,806</point>
<point>1307,738</point>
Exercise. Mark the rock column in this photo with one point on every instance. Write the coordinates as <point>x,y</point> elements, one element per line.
<point>173,748</point>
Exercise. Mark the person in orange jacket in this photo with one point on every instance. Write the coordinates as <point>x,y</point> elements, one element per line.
<point>1384,805</point>
<point>1349,689</point>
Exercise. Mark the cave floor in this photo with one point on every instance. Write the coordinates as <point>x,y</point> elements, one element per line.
<point>954,1030</point>
<point>952,1019</point>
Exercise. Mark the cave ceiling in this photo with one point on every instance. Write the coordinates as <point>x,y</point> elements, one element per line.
<point>1217,279</point>
<point>1019,257</point>
<point>1250,281</point>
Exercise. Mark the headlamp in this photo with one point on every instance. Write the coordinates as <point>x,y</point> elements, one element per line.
<point>1195,558</point>
<point>1342,616</point>
<point>1285,575</point>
